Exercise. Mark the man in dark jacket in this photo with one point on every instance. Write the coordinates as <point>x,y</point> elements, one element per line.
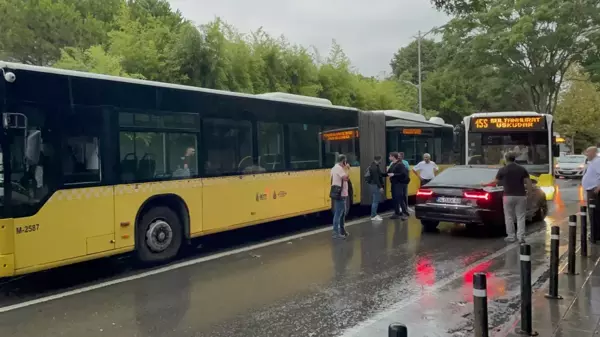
<point>374,178</point>
<point>399,178</point>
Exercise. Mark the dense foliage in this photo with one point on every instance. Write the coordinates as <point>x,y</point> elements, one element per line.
<point>147,39</point>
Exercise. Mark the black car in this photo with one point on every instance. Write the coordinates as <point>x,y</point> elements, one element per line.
<point>456,195</point>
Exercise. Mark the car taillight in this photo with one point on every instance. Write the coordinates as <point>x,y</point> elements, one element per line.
<point>477,195</point>
<point>423,192</point>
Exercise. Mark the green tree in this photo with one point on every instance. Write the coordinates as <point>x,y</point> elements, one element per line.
<point>578,112</point>
<point>336,78</point>
<point>591,62</point>
<point>405,60</point>
<point>532,42</point>
<point>145,48</point>
<point>93,60</point>
<point>34,31</point>
<point>459,7</point>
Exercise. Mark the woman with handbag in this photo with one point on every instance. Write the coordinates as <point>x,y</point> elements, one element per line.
<point>339,194</point>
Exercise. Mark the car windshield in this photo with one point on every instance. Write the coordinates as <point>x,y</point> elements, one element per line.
<point>465,176</point>
<point>571,159</point>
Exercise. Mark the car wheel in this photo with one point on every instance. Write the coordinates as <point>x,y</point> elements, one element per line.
<point>159,235</point>
<point>541,213</point>
<point>429,225</point>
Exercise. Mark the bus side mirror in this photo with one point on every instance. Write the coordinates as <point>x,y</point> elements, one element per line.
<point>456,139</point>
<point>555,150</point>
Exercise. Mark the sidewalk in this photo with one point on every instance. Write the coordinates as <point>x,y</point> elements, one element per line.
<point>578,313</point>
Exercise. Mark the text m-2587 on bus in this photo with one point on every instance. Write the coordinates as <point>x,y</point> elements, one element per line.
<point>27,229</point>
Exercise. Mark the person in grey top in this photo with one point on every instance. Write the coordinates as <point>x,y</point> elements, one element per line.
<point>514,178</point>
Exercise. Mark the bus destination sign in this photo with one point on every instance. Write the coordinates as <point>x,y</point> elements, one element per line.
<point>340,135</point>
<point>508,123</point>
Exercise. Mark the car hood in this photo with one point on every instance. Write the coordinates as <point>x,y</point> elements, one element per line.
<point>569,165</point>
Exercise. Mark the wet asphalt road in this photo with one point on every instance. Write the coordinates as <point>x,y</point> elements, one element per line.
<point>305,286</point>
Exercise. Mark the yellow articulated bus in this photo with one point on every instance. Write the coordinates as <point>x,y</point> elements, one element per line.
<point>94,165</point>
<point>489,136</point>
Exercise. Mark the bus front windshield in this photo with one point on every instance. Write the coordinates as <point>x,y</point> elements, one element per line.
<point>531,149</point>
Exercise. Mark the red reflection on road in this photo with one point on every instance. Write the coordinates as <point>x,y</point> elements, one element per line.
<point>425,272</point>
<point>496,286</point>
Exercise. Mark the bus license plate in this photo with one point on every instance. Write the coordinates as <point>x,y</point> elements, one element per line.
<point>448,200</point>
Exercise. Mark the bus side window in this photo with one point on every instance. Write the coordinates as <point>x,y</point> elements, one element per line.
<point>81,147</point>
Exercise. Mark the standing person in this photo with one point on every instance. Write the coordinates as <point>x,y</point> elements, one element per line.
<point>426,169</point>
<point>339,194</point>
<point>399,178</point>
<point>405,162</point>
<point>374,178</point>
<point>591,182</point>
<point>514,178</point>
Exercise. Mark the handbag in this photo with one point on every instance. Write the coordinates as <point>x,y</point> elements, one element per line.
<point>335,192</point>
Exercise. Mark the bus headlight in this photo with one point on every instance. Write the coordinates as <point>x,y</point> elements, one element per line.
<point>548,190</point>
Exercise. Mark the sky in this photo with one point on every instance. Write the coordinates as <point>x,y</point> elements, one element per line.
<point>369,31</point>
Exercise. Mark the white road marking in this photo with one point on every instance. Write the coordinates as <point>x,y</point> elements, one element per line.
<point>175,266</point>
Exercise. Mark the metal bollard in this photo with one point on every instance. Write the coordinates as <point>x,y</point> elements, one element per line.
<point>554,242</point>
<point>592,214</point>
<point>480,305</point>
<point>397,330</point>
<point>583,237</point>
<point>526,315</point>
<point>572,242</point>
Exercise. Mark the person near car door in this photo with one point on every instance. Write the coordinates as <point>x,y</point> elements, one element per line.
<point>399,179</point>
<point>516,182</point>
<point>374,178</point>
<point>591,182</point>
<point>426,169</point>
<point>405,162</point>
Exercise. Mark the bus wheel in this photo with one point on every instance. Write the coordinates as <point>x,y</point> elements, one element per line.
<point>159,235</point>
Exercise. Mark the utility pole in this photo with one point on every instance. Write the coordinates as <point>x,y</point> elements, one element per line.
<point>419,86</point>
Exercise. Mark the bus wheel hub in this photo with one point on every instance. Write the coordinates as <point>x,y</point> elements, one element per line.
<point>159,235</point>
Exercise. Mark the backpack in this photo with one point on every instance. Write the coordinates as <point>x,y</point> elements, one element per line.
<point>367,175</point>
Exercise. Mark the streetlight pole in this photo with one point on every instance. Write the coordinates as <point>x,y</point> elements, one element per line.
<point>419,38</point>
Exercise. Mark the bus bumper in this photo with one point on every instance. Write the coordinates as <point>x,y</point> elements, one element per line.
<point>7,265</point>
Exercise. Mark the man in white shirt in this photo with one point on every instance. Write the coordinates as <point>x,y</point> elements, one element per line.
<point>591,184</point>
<point>426,169</point>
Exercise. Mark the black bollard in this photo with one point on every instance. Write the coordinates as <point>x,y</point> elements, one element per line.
<point>397,330</point>
<point>572,242</point>
<point>583,237</point>
<point>593,229</point>
<point>526,308</point>
<point>554,242</point>
<point>480,305</point>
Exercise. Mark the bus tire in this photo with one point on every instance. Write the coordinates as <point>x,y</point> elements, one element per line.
<point>159,235</point>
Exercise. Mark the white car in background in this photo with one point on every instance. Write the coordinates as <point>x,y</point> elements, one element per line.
<point>570,166</point>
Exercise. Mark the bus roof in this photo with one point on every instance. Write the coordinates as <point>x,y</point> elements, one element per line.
<point>407,118</point>
<point>505,113</point>
<point>279,97</point>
